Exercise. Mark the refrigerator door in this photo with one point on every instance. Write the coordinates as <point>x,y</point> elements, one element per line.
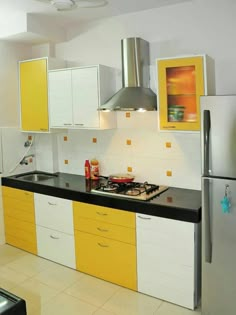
<point>218,247</point>
<point>218,134</point>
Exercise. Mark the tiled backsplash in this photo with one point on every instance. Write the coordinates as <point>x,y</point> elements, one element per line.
<point>136,144</point>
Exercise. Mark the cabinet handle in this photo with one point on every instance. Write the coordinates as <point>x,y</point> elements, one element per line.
<point>43,129</point>
<point>79,124</point>
<point>54,237</point>
<point>101,213</point>
<point>102,230</point>
<point>102,245</point>
<point>67,124</point>
<point>51,204</point>
<point>144,218</point>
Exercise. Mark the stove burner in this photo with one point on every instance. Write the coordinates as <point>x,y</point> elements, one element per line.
<point>135,190</point>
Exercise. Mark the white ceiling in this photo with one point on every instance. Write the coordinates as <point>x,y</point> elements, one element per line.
<point>81,15</point>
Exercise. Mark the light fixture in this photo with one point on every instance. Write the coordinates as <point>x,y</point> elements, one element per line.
<point>67,5</point>
<point>64,4</point>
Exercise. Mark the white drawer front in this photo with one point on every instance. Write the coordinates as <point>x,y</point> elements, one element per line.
<point>54,213</point>
<point>56,246</point>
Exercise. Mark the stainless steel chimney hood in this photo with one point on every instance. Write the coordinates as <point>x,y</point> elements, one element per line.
<point>135,94</point>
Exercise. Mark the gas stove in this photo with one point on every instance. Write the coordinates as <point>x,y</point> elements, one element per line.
<point>133,190</point>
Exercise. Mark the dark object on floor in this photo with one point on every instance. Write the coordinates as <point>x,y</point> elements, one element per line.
<point>11,304</point>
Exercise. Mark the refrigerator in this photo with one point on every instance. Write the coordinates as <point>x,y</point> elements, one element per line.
<point>218,150</point>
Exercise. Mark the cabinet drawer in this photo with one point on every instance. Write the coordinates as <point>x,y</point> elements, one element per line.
<point>19,209</point>
<point>106,259</point>
<point>112,231</point>
<point>18,228</point>
<point>56,246</point>
<point>54,213</point>
<point>104,214</point>
<point>18,194</point>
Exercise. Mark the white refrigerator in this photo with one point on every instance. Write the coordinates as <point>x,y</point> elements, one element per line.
<point>218,148</point>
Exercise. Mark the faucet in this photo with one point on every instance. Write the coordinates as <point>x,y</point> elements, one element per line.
<point>25,161</point>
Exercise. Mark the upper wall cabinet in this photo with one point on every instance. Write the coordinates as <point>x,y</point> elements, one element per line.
<point>33,86</point>
<point>181,82</point>
<point>75,96</point>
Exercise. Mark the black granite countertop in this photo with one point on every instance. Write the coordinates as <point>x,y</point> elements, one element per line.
<point>175,203</point>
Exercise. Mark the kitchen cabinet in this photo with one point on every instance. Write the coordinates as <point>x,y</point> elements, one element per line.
<point>105,236</point>
<point>54,226</point>
<point>19,219</point>
<point>33,87</point>
<point>76,94</point>
<point>181,82</point>
<point>167,253</point>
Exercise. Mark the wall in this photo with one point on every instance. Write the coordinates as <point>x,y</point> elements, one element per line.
<point>189,28</point>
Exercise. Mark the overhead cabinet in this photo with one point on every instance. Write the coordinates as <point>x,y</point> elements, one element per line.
<point>181,82</point>
<point>33,88</point>
<point>76,94</point>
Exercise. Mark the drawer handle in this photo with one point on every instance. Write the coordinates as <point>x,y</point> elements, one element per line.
<point>102,230</point>
<point>144,218</point>
<point>54,237</point>
<point>101,213</point>
<point>51,204</point>
<point>102,245</point>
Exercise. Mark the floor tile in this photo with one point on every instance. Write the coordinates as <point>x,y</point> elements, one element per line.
<point>9,253</point>
<point>10,278</point>
<point>172,309</point>
<point>92,290</point>
<point>34,292</point>
<point>101,311</point>
<point>64,304</point>
<point>58,277</point>
<point>30,265</point>
<point>127,302</point>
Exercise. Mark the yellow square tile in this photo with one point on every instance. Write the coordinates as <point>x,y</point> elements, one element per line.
<point>127,115</point>
<point>128,142</point>
<point>129,169</point>
<point>94,140</point>
<point>168,144</point>
<point>169,173</point>
<point>65,138</point>
<point>66,161</point>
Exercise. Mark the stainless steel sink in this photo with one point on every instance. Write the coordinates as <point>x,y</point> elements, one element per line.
<point>36,177</point>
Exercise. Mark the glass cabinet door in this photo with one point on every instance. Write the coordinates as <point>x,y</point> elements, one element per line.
<point>180,82</point>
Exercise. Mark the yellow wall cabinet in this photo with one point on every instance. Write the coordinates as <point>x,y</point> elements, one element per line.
<point>33,87</point>
<point>19,219</point>
<point>181,82</point>
<point>106,236</point>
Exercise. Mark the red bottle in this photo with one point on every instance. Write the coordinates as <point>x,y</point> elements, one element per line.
<point>87,171</point>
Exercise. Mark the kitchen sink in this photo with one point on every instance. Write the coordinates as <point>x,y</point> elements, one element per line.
<point>36,177</point>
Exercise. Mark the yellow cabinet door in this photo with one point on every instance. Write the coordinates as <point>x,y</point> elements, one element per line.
<point>107,259</point>
<point>19,219</point>
<point>34,95</point>
<point>181,82</point>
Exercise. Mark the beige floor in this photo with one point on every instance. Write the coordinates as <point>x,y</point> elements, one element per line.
<point>51,289</point>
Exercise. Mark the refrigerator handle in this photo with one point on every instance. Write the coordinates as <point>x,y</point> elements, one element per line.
<point>206,135</point>
<point>207,219</point>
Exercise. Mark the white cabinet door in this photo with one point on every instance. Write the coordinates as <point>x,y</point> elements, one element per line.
<point>166,259</point>
<point>54,213</point>
<point>60,98</point>
<point>56,246</point>
<point>85,95</point>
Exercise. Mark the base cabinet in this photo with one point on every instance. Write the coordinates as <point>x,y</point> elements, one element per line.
<point>166,259</point>
<point>54,226</point>
<point>19,219</point>
<point>105,243</point>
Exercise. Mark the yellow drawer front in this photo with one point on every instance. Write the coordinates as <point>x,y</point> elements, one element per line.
<point>112,231</point>
<point>18,194</point>
<point>106,259</point>
<point>104,214</point>
<point>29,246</point>
<point>18,209</point>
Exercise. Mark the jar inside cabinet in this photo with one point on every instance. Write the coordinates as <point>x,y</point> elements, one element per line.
<point>181,82</point>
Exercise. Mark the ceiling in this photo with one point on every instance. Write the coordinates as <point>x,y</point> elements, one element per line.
<point>82,15</point>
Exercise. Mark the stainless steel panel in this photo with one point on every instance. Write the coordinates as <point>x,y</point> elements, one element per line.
<point>222,135</point>
<point>219,273</point>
